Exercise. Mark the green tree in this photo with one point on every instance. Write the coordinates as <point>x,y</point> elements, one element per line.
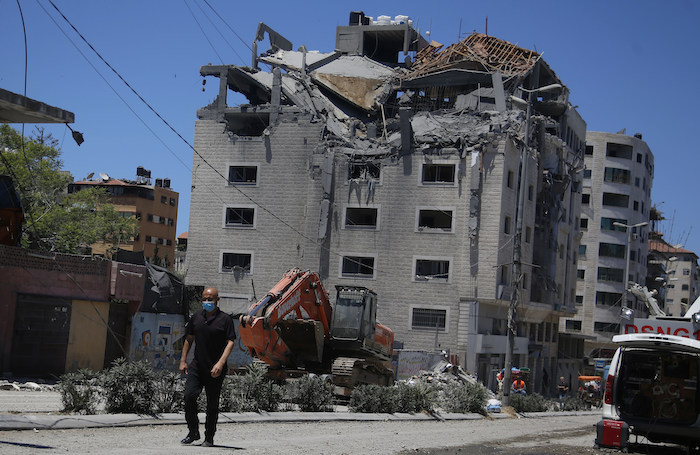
<point>54,220</point>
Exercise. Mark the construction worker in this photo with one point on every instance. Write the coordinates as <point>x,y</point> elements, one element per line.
<point>518,387</point>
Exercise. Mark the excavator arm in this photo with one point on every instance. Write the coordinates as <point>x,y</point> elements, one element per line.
<point>291,323</point>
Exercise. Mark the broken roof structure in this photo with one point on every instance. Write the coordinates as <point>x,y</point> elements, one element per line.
<point>355,92</point>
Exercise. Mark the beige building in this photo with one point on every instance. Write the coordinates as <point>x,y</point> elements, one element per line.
<point>681,280</point>
<point>403,180</point>
<point>155,206</point>
<point>616,193</point>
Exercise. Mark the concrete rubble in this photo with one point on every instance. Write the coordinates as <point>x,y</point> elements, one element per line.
<point>25,386</point>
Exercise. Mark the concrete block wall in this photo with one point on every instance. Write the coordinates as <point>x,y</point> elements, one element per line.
<point>283,160</point>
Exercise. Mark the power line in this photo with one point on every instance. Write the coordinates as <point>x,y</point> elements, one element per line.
<point>219,32</point>
<point>203,32</point>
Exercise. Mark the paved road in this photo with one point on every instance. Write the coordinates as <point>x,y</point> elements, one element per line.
<point>329,438</point>
<point>554,434</point>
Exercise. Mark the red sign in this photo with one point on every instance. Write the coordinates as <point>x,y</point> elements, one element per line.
<point>662,327</point>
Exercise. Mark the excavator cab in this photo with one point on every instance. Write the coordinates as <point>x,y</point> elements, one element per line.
<point>354,314</point>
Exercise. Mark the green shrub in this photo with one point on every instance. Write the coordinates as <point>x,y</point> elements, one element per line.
<point>311,393</point>
<point>251,391</point>
<point>129,387</point>
<point>417,397</point>
<point>373,398</point>
<point>574,404</point>
<point>465,397</point>
<point>528,403</point>
<point>80,392</point>
<point>168,393</point>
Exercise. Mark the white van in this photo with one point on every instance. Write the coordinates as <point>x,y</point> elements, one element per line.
<point>653,387</point>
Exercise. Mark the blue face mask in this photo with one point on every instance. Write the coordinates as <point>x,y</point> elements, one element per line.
<point>208,306</point>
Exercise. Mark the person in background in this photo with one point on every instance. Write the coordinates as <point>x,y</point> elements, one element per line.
<point>212,332</point>
<point>563,388</point>
<point>518,387</point>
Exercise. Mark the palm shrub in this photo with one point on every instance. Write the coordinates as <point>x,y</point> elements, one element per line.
<point>373,398</point>
<point>80,391</point>
<point>416,397</point>
<point>311,393</point>
<point>168,392</point>
<point>464,397</point>
<point>528,403</point>
<point>129,387</point>
<point>251,391</point>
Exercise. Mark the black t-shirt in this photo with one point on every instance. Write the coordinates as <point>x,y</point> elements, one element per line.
<point>210,336</point>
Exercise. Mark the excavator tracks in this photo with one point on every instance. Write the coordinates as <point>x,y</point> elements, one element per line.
<point>349,372</point>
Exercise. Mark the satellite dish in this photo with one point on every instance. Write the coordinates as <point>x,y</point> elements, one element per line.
<point>104,176</point>
<point>89,176</point>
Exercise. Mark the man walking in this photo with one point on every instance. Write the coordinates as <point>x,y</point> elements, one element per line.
<point>212,333</point>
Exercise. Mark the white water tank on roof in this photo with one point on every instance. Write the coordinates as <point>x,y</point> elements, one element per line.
<point>384,20</point>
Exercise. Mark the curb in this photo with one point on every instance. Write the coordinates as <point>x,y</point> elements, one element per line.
<point>63,422</point>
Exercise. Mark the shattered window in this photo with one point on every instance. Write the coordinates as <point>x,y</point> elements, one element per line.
<point>506,225</point>
<point>242,175</point>
<point>232,262</point>
<point>435,219</point>
<point>612,250</point>
<point>573,325</point>
<point>615,175</point>
<point>616,200</point>
<point>428,318</point>
<point>358,266</point>
<point>610,274</point>
<point>607,327</point>
<point>438,173</point>
<point>361,217</point>
<point>614,150</point>
<point>240,217</point>
<point>363,171</point>
<point>432,269</point>
<point>608,224</point>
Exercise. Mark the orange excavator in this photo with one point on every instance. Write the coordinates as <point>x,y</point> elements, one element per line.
<point>295,329</point>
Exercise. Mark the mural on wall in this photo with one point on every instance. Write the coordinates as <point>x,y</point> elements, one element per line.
<point>158,339</point>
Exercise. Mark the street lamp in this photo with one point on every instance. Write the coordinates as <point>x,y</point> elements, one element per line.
<point>625,279</point>
<point>517,239</point>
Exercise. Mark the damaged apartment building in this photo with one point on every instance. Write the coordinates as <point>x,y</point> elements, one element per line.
<point>394,163</point>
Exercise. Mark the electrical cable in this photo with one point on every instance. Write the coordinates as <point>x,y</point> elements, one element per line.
<point>219,32</point>
<point>203,32</point>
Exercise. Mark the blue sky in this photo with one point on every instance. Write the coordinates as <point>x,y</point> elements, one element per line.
<point>628,64</point>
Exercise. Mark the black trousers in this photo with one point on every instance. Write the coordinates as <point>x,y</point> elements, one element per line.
<point>196,380</point>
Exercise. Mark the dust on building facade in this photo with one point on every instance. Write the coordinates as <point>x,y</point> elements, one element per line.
<point>394,163</point>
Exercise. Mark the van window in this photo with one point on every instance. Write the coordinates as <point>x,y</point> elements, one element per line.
<point>659,385</point>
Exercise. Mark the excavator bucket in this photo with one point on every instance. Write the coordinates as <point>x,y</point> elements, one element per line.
<point>303,337</point>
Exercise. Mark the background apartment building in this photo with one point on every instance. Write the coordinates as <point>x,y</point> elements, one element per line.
<point>616,193</point>
<point>406,186</point>
<point>677,278</point>
<point>154,205</point>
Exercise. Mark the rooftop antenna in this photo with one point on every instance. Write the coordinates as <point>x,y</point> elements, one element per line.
<point>487,26</point>
<point>89,176</point>
<point>459,36</point>
<point>104,176</point>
